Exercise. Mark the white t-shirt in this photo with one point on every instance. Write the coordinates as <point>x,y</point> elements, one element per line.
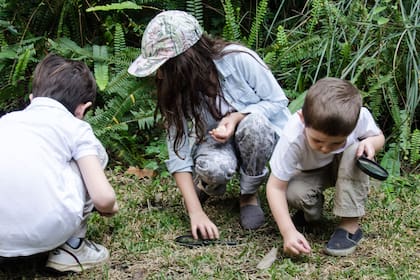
<point>293,154</point>
<point>41,196</point>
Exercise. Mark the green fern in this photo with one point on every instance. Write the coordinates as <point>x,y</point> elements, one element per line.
<point>100,56</point>
<point>256,24</point>
<point>415,147</point>
<point>195,7</point>
<point>119,40</point>
<point>115,6</point>
<point>374,94</point>
<point>317,6</point>
<point>69,48</point>
<point>231,31</point>
<point>22,64</point>
<point>281,38</point>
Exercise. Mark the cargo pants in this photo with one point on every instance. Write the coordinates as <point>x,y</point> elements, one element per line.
<point>305,190</point>
<point>248,152</point>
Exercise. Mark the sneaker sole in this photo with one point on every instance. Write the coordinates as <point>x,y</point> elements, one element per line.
<point>75,267</point>
<point>341,253</point>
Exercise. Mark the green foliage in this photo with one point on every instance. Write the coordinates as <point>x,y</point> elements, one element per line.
<point>100,56</point>
<point>256,24</point>
<point>115,6</point>
<point>374,45</point>
<point>127,106</point>
<point>415,148</point>
<point>195,7</point>
<point>231,30</point>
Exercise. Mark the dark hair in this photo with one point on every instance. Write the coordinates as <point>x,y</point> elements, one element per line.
<point>69,82</point>
<point>332,106</point>
<point>188,85</point>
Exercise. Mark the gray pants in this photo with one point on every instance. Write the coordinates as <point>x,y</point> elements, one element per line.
<point>305,190</point>
<point>248,151</point>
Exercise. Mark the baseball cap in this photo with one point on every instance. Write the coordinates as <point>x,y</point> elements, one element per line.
<point>167,35</point>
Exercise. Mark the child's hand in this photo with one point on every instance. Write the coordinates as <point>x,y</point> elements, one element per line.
<point>366,148</point>
<point>223,131</point>
<point>296,244</point>
<point>202,227</point>
<point>226,127</point>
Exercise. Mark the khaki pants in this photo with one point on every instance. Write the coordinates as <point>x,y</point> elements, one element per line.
<point>305,190</point>
<point>88,206</point>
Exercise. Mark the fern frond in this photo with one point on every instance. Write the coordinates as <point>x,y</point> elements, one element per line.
<point>119,39</point>
<point>115,6</point>
<point>195,7</point>
<point>256,24</point>
<point>231,32</point>
<point>374,93</point>
<point>100,57</point>
<point>317,6</point>
<point>69,48</point>
<point>22,64</point>
<point>415,147</point>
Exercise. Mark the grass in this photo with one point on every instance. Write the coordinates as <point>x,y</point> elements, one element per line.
<point>141,240</point>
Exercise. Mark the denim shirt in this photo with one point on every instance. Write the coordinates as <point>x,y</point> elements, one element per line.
<point>248,86</point>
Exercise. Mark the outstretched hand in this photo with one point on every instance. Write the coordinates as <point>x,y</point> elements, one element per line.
<point>202,227</point>
<point>296,244</point>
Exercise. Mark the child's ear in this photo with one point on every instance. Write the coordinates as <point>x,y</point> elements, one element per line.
<point>81,109</point>
<point>300,114</point>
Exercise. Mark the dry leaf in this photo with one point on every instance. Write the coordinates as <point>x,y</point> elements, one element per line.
<point>268,259</point>
<point>141,173</point>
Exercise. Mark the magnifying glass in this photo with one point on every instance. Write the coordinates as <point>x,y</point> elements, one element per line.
<point>371,168</point>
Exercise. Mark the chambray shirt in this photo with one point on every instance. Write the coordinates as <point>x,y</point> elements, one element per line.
<point>248,86</point>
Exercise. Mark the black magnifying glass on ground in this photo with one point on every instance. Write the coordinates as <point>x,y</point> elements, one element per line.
<point>371,168</point>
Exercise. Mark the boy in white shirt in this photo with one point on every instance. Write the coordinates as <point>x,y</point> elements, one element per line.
<point>51,170</point>
<point>317,149</point>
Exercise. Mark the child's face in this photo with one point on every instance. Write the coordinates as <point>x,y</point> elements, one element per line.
<point>323,143</point>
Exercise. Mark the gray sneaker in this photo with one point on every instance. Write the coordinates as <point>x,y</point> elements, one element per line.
<point>87,255</point>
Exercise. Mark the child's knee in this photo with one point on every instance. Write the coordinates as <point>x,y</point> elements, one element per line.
<point>213,170</point>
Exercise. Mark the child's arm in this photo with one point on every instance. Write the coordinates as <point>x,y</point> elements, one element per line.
<point>370,145</point>
<point>98,187</point>
<point>199,220</point>
<point>294,243</point>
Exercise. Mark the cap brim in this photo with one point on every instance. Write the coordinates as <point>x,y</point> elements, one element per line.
<point>143,67</point>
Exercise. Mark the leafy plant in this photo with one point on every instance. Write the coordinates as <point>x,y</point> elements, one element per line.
<point>372,45</point>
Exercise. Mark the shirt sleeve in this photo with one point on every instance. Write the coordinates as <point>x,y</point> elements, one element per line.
<point>284,160</point>
<point>366,126</point>
<point>86,144</point>
<point>183,162</point>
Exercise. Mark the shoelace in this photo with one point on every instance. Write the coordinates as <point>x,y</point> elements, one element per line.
<point>189,241</point>
<point>91,245</point>
<point>73,255</point>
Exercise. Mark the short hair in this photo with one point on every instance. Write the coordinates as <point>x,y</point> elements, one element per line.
<point>332,106</point>
<point>68,81</point>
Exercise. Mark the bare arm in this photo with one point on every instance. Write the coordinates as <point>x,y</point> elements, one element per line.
<point>199,220</point>
<point>98,187</point>
<point>294,242</point>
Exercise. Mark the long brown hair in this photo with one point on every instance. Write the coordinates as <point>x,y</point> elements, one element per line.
<point>188,85</point>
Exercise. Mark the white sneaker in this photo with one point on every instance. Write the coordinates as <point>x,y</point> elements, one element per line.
<point>88,255</point>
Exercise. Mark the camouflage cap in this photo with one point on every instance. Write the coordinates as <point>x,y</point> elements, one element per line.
<point>167,35</point>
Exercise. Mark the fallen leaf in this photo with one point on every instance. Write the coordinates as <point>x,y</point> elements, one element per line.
<point>141,173</point>
<point>268,259</point>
